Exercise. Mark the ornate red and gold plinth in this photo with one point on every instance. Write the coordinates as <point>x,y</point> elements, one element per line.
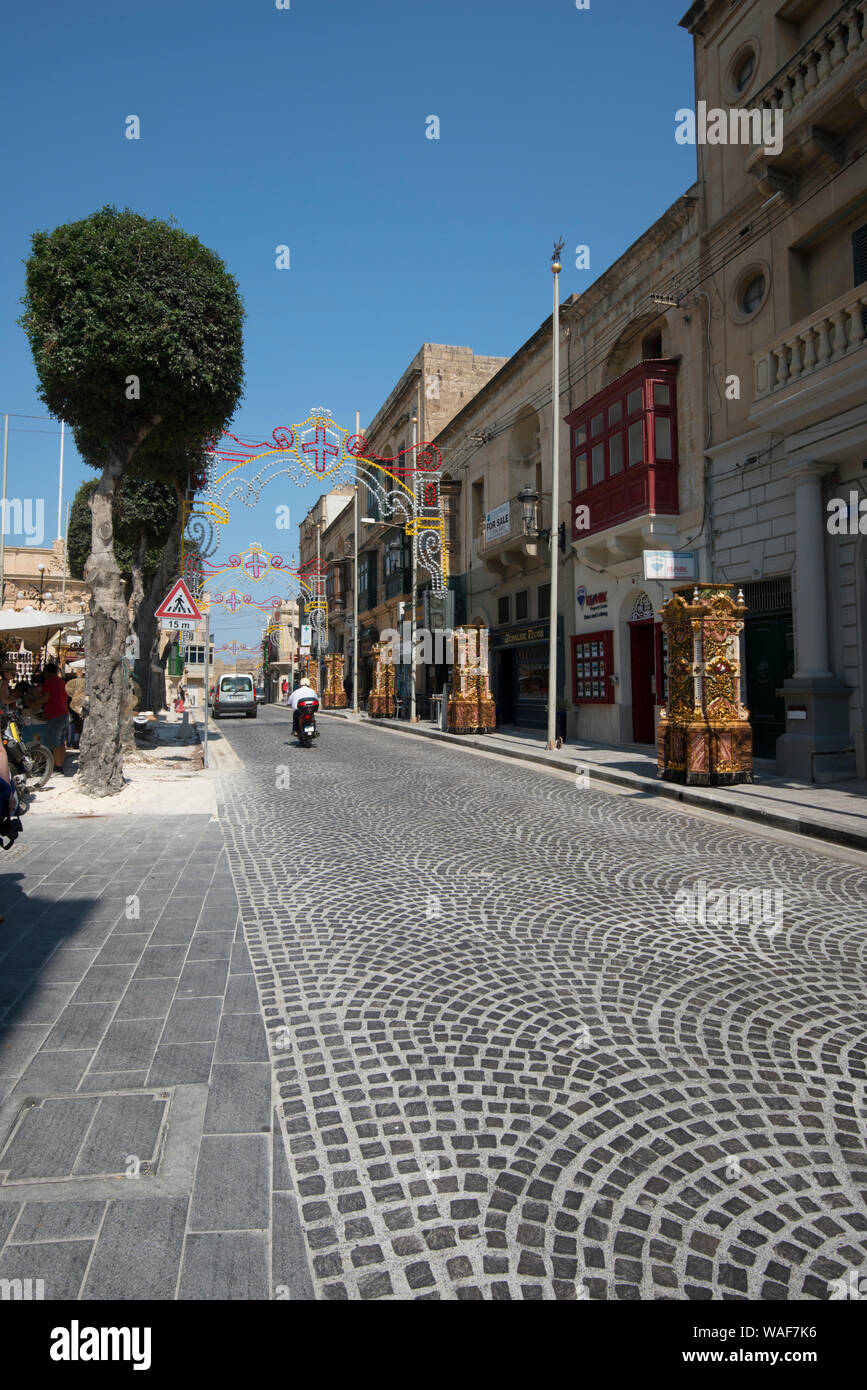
<point>704,736</point>
<point>380,702</point>
<point>471,709</point>
<point>334,696</point>
<point>309,668</point>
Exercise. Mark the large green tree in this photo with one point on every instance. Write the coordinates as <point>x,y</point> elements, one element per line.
<point>136,332</point>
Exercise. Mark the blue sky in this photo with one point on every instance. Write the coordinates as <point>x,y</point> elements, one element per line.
<point>306,127</point>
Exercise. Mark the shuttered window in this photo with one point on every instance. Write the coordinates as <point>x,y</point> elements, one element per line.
<point>859,255</point>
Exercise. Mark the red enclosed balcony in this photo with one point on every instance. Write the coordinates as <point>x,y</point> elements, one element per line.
<point>624,450</point>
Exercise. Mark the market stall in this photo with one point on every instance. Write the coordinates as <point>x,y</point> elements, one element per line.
<point>24,639</point>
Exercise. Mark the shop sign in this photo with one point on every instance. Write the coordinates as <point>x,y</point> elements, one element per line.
<point>532,632</point>
<point>526,634</point>
<point>306,634</point>
<point>669,564</point>
<point>497,523</point>
<point>592,605</point>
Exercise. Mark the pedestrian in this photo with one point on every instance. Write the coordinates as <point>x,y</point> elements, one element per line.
<point>75,693</point>
<point>7,674</point>
<point>284,689</point>
<point>55,709</point>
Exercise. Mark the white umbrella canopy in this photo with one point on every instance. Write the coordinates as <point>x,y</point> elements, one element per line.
<point>13,622</point>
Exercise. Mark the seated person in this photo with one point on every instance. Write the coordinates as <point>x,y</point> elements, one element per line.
<point>304,691</point>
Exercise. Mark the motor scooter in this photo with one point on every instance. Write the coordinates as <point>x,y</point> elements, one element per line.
<point>305,722</point>
<point>30,765</point>
<point>20,767</point>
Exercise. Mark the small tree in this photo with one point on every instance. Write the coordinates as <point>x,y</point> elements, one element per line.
<point>136,332</point>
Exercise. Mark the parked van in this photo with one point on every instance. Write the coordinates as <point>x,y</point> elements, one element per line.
<point>235,695</point>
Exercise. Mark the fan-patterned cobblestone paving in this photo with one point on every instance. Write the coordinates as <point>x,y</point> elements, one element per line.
<point>506,1070</point>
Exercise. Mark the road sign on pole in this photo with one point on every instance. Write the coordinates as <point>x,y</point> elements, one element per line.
<point>180,604</point>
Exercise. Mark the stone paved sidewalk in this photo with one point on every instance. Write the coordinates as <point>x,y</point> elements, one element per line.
<point>137,1153</point>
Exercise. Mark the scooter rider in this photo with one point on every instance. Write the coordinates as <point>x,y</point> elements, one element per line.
<point>304,691</point>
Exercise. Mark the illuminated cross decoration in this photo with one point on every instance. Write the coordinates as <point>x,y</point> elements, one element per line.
<point>256,565</point>
<point>328,450</point>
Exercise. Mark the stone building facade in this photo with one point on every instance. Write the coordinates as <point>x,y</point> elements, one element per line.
<point>26,569</point>
<point>615,341</point>
<point>784,275</point>
<point>439,380</point>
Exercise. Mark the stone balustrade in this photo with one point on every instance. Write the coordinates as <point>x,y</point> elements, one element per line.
<point>844,34</point>
<point>827,335</point>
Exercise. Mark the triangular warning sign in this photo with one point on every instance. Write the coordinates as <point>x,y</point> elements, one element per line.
<point>179,603</point>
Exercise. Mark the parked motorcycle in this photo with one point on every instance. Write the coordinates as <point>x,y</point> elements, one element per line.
<point>306,730</point>
<point>30,766</point>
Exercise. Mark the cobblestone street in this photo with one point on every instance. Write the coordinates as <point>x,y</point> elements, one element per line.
<point>507,1068</point>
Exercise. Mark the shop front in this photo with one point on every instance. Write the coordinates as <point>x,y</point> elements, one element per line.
<point>519,659</point>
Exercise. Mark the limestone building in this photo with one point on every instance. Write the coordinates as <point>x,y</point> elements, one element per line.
<point>632,425</point>
<point>784,282</point>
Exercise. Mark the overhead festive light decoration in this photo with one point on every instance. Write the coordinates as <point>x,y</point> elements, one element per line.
<point>406,488</point>
<point>236,648</point>
<point>306,585</point>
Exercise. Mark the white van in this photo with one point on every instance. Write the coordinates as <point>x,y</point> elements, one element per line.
<point>235,695</point>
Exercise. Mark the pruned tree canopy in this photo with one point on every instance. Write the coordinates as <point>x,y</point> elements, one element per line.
<point>136,333</point>
<point>131,320</point>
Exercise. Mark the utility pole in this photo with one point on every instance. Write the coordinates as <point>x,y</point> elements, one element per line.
<point>65,560</point>
<point>318,593</point>
<point>3,505</point>
<point>414,566</point>
<point>60,484</point>
<point>355,584</point>
<point>207,683</point>
<point>555,501</point>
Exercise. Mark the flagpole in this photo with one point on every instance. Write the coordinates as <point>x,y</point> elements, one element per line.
<point>355,585</point>
<point>60,486</point>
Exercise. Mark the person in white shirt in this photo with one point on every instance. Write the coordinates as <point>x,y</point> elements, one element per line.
<point>305,691</point>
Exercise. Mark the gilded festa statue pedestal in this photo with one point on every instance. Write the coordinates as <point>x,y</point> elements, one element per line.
<point>380,703</point>
<point>471,709</point>
<point>704,736</point>
<point>334,696</point>
<point>309,668</point>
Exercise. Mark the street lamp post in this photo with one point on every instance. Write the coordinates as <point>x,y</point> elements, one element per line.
<point>318,610</point>
<point>555,501</point>
<point>355,585</point>
<point>414,576</point>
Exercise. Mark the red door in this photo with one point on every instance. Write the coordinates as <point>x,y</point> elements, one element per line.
<point>643,669</point>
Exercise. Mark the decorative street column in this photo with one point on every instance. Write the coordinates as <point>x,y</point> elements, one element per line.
<point>704,736</point>
<point>471,708</point>
<point>380,704</point>
<point>334,695</point>
<point>818,743</point>
<point>811,612</point>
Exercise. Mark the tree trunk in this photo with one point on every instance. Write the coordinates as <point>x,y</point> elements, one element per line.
<point>100,760</point>
<point>149,670</point>
<point>127,736</point>
<point>100,757</point>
